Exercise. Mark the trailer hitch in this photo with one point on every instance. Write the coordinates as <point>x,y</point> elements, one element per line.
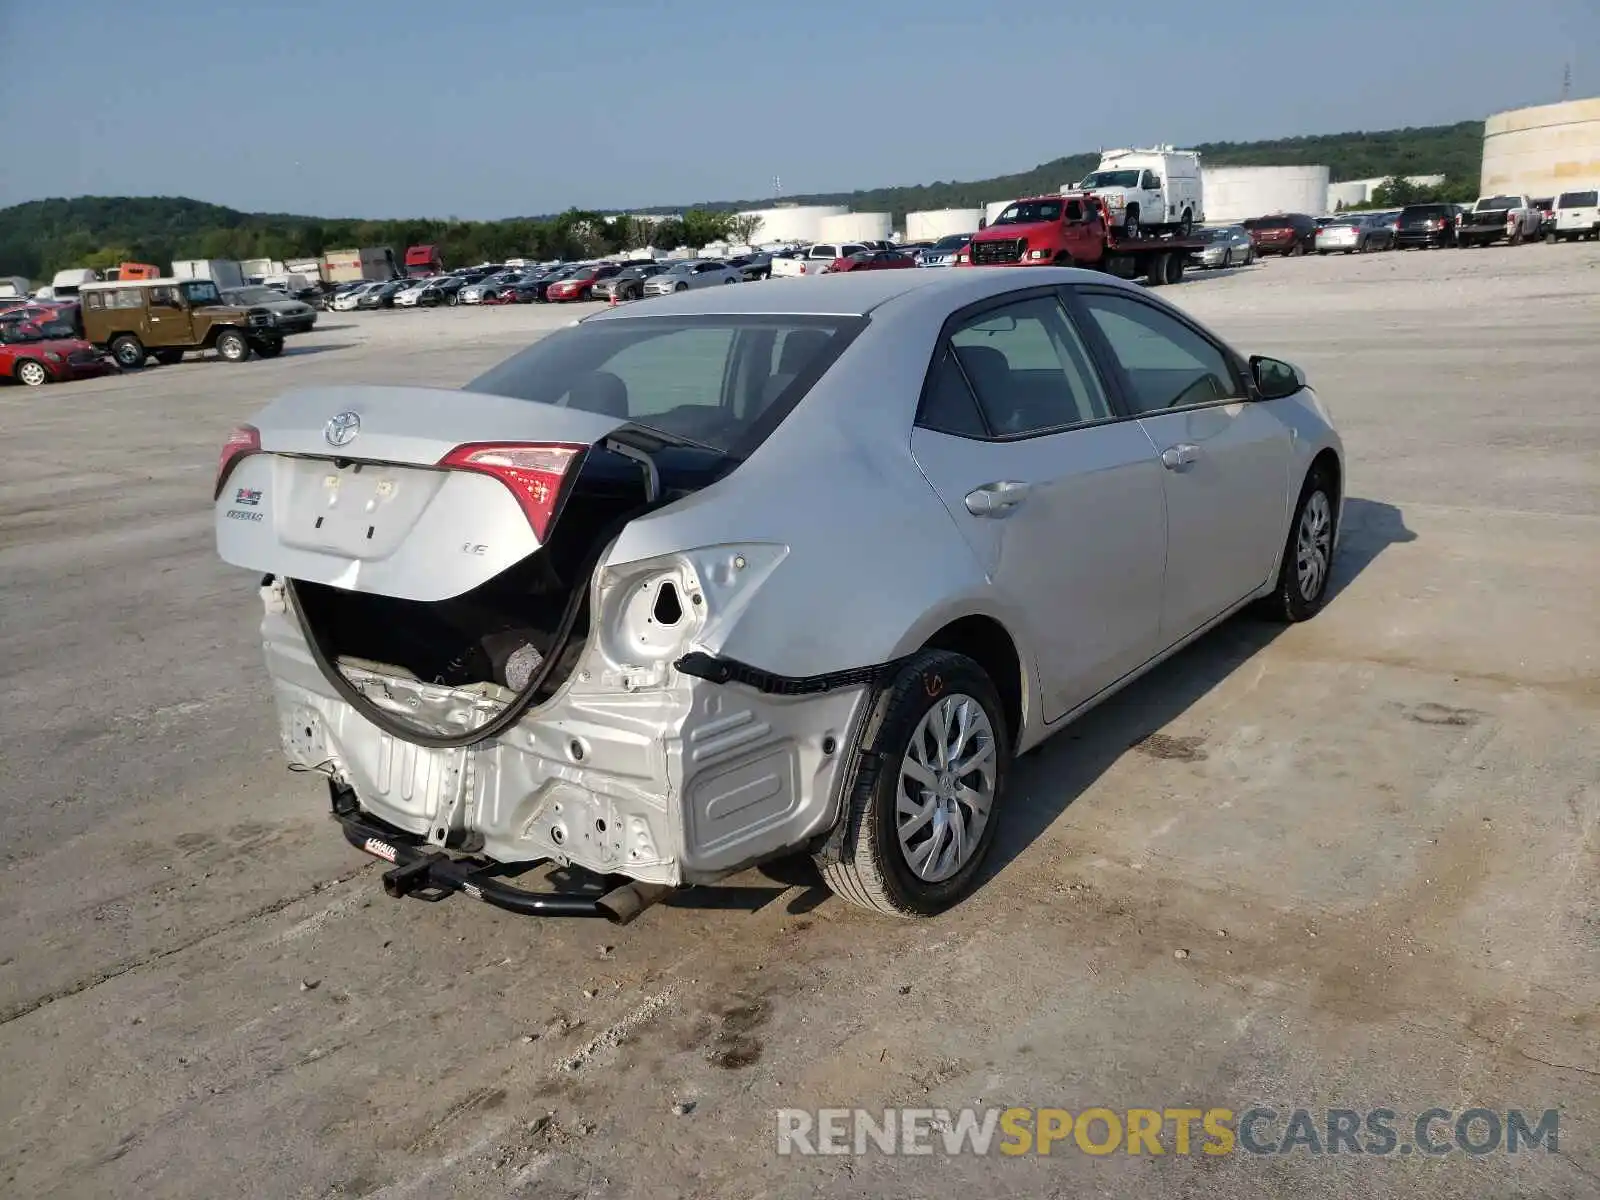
<point>425,873</point>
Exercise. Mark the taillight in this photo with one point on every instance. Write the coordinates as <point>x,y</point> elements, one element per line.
<point>534,472</point>
<point>243,441</point>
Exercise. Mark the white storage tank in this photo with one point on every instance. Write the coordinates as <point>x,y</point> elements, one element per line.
<point>932,225</point>
<point>994,208</point>
<point>792,222</point>
<point>1238,193</point>
<point>856,227</point>
<point>1542,151</point>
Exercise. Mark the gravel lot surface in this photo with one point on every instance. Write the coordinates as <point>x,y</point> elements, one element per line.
<point>1373,836</point>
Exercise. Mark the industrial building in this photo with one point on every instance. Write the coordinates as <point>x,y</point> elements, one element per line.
<point>1237,193</point>
<point>793,222</point>
<point>856,227</point>
<point>934,224</point>
<point>1542,151</point>
<point>1351,193</point>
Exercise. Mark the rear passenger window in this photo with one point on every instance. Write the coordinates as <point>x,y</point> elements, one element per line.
<point>948,405</point>
<point>1165,364</point>
<point>1028,369</point>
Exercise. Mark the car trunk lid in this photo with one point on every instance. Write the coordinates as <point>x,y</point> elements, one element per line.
<point>415,493</point>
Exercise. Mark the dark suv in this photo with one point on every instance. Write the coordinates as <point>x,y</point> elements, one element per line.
<point>1291,234</point>
<point>1426,225</point>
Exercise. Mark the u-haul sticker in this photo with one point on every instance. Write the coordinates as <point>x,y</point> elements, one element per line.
<point>381,849</point>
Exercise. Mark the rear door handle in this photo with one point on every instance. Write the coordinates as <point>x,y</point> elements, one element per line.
<point>1175,458</point>
<point>996,499</point>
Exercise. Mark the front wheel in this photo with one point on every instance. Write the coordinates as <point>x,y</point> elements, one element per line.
<point>1186,225</point>
<point>1308,553</point>
<point>232,346</point>
<point>269,347</point>
<point>920,813</point>
<point>1130,223</point>
<point>31,374</point>
<point>682,287</point>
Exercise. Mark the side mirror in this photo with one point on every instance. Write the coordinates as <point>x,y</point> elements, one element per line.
<point>1275,378</point>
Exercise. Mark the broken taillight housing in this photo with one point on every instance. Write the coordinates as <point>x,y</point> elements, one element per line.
<point>243,441</point>
<point>535,473</point>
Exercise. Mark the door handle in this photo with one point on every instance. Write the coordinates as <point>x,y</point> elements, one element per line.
<point>1175,458</point>
<point>996,499</point>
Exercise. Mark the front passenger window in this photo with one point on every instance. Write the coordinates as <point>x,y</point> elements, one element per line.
<point>1165,364</point>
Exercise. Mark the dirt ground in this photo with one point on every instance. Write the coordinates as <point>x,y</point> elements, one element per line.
<point>1373,838</point>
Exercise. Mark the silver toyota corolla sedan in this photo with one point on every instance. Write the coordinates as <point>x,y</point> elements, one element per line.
<point>742,572</point>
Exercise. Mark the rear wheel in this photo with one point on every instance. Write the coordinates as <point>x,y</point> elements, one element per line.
<point>128,351</point>
<point>169,358</point>
<point>232,346</point>
<point>920,814</point>
<point>1308,553</point>
<point>31,374</point>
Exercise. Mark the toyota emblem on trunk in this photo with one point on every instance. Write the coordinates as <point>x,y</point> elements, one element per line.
<point>342,429</point>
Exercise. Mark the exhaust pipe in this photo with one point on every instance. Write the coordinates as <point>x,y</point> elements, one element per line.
<point>623,904</point>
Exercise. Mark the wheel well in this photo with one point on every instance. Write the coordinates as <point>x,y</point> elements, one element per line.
<point>986,642</point>
<point>1328,464</point>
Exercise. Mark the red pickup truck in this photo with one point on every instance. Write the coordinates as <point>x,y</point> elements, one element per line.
<point>1072,230</point>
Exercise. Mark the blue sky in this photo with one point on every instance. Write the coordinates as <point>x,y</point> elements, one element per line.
<point>495,108</point>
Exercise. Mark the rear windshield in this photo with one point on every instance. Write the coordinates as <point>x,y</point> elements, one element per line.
<point>720,381</point>
<point>1269,223</point>
<point>1498,203</point>
<point>1578,200</point>
<point>1426,210</point>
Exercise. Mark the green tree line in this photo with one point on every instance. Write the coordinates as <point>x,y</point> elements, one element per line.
<point>43,236</point>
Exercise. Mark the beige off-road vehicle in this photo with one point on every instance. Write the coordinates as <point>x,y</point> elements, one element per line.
<point>166,318</point>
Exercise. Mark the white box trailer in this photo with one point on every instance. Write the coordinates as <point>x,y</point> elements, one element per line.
<point>223,272</point>
<point>371,263</point>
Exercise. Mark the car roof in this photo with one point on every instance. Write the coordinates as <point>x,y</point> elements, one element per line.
<point>102,285</point>
<point>850,293</point>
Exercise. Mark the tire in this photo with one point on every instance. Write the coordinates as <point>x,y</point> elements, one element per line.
<point>864,860</point>
<point>682,287</point>
<point>231,345</point>
<point>169,358</point>
<point>1297,250</point>
<point>29,373</point>
<point>129,352</point>
<point>1516,236</point>
<point>730,281</point>
<point>1186,223</point>
<point>1290,601</point>
<point>1130,222</point>
<point>269,347</point>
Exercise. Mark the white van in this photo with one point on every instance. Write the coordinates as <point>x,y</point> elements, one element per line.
<point>66,283</point>
<point>1148,191</point>
<point>1577,216</point>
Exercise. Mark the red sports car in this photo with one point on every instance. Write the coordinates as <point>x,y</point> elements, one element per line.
<point>38,353</point>
<point>873,260</point>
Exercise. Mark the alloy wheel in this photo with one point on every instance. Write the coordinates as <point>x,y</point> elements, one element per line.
<point>946,787</point>
<point>1314,545</point>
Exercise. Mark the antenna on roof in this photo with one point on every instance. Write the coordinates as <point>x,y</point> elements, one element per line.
<point>1566,82</point>
<point>777,187</point>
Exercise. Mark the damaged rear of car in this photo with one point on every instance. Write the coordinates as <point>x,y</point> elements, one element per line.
<point>490,615</point>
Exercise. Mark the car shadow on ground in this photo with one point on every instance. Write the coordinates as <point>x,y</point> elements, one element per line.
<point>1045,782</point>
<point>293,351</point>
